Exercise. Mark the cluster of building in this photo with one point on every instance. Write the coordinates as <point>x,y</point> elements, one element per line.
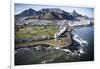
<point>82,22</point>
<point>69,23</point>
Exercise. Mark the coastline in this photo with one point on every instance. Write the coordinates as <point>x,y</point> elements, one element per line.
<point>71,52</point>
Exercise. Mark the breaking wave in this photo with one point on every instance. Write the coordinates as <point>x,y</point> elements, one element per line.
<point>83,43</point>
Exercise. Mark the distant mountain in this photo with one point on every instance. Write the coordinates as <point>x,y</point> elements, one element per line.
<point>78,16</point>
<point>29,12</point>
<point>56,10</point>
<point>49,14</point>
<point>75,14</point>
<point>52,16</point>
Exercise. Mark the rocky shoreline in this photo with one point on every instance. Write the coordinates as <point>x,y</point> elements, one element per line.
<point>44,54</point>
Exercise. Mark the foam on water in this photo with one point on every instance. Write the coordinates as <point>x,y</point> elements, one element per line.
<point>82,42</point>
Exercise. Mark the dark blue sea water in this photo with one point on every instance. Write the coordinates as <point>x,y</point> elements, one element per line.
<point>87,33</point>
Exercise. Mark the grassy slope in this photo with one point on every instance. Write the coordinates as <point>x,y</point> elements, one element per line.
<point>39,31</point>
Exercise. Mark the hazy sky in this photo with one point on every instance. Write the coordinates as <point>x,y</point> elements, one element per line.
<point>82,10</point>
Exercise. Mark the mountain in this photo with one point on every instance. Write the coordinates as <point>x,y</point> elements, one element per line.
<point>52,16</point>
<point>56,10</point>
<point>75,14</point>
<point>49,14</point>
<point>29,12</point>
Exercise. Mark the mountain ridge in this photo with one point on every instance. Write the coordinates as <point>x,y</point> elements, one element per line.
<point>49,14</point>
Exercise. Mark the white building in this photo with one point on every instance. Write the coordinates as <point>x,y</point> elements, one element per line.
<point>79,23</point>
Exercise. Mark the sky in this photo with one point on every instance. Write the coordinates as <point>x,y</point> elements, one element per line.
<point>18,8</point>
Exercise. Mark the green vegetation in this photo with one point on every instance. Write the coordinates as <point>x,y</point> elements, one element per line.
<point>40,31</point>
<point>36,31</point>
<point>62,42</point>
